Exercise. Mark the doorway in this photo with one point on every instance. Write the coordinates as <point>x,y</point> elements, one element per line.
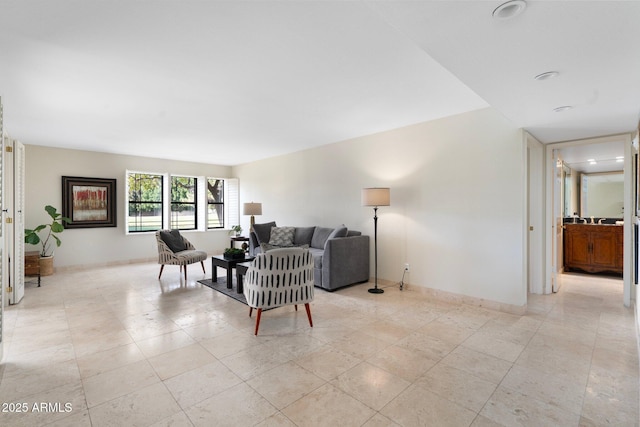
<point>614,152</point>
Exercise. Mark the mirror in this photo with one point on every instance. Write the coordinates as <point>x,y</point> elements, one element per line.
<point>602,195</point>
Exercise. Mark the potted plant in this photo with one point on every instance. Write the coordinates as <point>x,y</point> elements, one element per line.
<point>236,229</point>
<point>234,253</point>
<point>49,232</point>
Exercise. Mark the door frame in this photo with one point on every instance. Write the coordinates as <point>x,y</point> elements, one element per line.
<point>629,216</point>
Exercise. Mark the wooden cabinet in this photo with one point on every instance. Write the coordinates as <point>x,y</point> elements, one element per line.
<point>593,248</point>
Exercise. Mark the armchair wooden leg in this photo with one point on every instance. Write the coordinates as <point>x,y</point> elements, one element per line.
<point>250,311</point>
<point>306,306</point>
<point>296,306</point>
<point>185,272</point>
<point>161,268</point>
<point>202,264</point>
<point>258,320</point>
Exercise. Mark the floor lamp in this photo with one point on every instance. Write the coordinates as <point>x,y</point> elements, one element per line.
<point>252,209</point>
<point>375,197</point>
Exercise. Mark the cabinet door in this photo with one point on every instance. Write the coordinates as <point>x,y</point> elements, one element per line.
<point>603,249</point>
<point>577,248</point>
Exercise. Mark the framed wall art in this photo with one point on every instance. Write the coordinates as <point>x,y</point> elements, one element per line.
<point>89,202</point>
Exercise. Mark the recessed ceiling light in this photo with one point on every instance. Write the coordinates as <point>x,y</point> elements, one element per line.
<point>509,9</point>
<point>546,76</point>
<point>592,162</point>
<point>563,108</point>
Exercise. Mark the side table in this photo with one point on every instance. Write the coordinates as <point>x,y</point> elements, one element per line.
<point>245,240</point>
<point>32,264</point>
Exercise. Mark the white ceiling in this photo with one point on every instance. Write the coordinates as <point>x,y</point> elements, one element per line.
<point>229,82</point>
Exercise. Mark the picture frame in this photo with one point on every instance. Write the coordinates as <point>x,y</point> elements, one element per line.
<point>89,202</point>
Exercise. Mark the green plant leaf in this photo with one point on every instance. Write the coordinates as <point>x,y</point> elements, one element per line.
<point>53,212</point>
<point>56,227</point>
<point>58,242</point>
<point>31,237</point>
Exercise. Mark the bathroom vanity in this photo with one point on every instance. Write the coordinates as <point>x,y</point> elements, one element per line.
<point>593,248</point>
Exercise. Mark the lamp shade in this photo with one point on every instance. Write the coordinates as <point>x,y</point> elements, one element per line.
<point>252,209</point>
<point>376,196</point>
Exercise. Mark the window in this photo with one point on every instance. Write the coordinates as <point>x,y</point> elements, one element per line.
<point>145,202</point>
<point>159,200</point>
<point>184,207</point>
<point>215,203</point>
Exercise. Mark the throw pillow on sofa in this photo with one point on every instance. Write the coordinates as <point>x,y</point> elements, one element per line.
<point>282,236</point>
<point>263,231</point>
<point>322,234</point>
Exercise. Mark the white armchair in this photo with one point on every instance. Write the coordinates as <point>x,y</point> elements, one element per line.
<point>280,277</point>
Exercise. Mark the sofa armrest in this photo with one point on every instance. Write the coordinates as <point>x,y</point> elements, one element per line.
<point>345,261</point>
<point>253,243</point>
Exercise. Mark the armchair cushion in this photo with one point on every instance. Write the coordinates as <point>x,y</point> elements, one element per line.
<point>174,240</point>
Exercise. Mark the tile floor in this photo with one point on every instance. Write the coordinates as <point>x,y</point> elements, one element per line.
<point>116,347</point>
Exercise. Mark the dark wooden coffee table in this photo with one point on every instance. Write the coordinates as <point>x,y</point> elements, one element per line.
<point>228,264</point>
<point>241,270</point>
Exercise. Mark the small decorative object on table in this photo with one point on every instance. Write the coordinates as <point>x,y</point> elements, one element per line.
<point>236,230</point>
<point>233,253</point>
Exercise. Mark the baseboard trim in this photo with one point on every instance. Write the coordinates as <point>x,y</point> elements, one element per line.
<point>451,297</point>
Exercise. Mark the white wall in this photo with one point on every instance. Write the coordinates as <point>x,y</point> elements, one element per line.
<point>95,246</point>
<point>457,213</point>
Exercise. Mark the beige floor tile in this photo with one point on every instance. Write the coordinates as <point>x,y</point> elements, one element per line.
<point>490,343</point>
<point>181,360</point>
<point>101,342</point>
<point>379,420</point>
<point>165,343</point>
<point>276,420</point>
<point>238,406</point>
<point>107,360</point>
<point>554,389</point>
<point>371,385</point>
<point>118,382</point>
<point>142,407</point>
<point>328,406</point>
<point>457,386</point>
<point>285,384</point>
<point>481,365</point>
<point>179,419</point>
<point>327,362</point>
<point>407,363</point>
<point>74,341</point>
<point>417,407</point>
<point>511,408</point>
<point>28,382</point>
<point>201,383</point>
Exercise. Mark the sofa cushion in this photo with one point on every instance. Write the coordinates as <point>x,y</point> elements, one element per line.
<point>263,231</point>
<point>320,236</point>
<point>269,247</point>
<point>174,240</point>
<point>317,258</point>
<point>303,236</point>
<point>338,232</point>
<point>282,236</point>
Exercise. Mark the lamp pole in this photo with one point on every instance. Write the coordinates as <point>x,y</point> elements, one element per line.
<point>375,289</point>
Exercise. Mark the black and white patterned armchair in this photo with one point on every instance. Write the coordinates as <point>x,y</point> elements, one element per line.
<point>175,249</point>
<point>280,277</point>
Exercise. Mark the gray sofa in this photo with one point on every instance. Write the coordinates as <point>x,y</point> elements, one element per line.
<point>341,256</point>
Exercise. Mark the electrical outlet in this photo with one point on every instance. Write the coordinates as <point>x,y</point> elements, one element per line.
<point>406,267</point>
